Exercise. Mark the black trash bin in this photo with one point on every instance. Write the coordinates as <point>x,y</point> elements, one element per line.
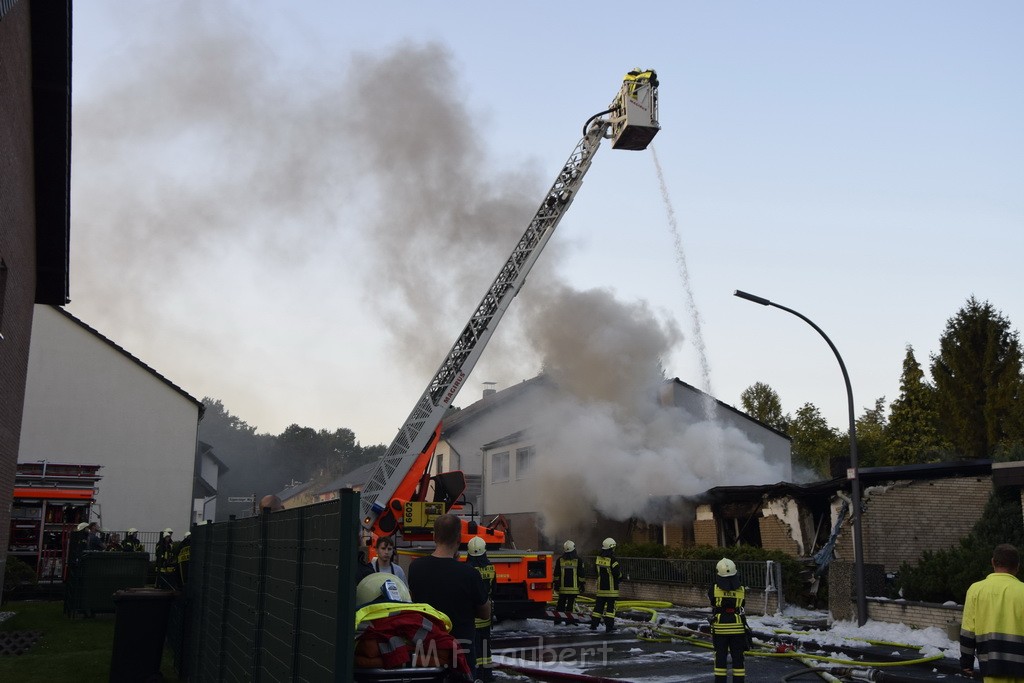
<point>140,626</point>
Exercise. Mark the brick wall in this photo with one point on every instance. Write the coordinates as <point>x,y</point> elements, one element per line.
<point>901,522</point>
<point>776,535</point>
<point>705,532</point>
<point>17,246</point>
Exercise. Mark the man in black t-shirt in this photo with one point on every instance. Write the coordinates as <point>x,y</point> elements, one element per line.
<point>450,586</point>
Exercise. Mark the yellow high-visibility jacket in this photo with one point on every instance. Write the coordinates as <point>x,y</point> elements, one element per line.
<point>993,627</point>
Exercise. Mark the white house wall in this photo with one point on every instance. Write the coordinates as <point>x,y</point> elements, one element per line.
<point>87,402</point>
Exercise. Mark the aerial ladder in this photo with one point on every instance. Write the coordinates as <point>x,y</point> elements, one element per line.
<point>394,500</point>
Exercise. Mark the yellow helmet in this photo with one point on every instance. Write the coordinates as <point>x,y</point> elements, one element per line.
<point>381,587</point>
<point>726,567</point>
<point>608,543</point>
<point>568,546</point>
<point>477,546</point>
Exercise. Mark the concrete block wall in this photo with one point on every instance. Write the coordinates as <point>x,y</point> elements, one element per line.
<point>916,614</point>
<point>693,596</point>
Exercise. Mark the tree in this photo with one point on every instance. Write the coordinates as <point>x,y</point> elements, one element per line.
<point>913,435</point>
<point>815,444</point>
<point>871,446</point>
<point>762,403</point>
<point>977,376</point>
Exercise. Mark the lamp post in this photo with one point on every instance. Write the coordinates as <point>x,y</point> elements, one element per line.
<point>853,474</point>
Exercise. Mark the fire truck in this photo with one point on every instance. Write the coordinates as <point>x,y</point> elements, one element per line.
<point>401,498</point>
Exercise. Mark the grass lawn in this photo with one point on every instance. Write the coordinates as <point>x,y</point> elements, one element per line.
<point>69,650</point>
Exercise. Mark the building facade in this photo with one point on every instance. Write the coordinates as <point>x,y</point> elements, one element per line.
<point>87,400</point>
<point>35,174</point>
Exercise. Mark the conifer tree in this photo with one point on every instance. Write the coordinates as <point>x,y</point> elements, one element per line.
<point>912,435</point>
<point>871,443</point>
<point>977,376</point>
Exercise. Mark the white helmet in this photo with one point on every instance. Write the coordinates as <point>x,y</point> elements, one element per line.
<point>133,531</point>
<point>608,543</point>
<point>568,546</point>
<point>381,587</point>
<point>726,567</point>
<point>476,546</point>
<point>168,531</point>
<point>82,526</point>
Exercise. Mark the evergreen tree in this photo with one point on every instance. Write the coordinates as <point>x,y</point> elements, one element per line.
<point>912,435</point>
<point>977,376</point>
<point>815,444</point>
<point>762,403</point>
<point>871,445</point>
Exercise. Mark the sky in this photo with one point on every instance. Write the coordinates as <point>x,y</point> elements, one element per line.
<point>295,208</point>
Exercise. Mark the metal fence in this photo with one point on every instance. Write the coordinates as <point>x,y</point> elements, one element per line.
<point>271,598</point>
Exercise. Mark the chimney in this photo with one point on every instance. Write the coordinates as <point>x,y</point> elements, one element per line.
<point>489,389</point>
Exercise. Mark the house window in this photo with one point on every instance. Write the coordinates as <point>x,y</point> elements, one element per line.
<point>524,460</point>
<point>440,462</point>
<point>499,467</point>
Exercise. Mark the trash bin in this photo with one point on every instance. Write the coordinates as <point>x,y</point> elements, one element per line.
<point>140,625</point>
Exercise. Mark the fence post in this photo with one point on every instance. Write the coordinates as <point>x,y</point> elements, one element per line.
<point>261,596</point>
<point>300,557</point>
<point>229,550</point>
<point>345,626</point>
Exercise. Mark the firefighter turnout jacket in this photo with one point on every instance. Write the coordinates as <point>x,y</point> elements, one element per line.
<point>609,574</point>
<point>727,611</point>
<point>993,627</point>
<point>567,574</point>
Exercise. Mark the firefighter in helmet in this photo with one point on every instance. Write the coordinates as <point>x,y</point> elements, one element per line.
<point>609,576</point>
<point>568,568</point>
<point>477,558</point>
<point>131,542</point>
<point>166,561</point>
<point>729,633</point>
<point>392,631</point>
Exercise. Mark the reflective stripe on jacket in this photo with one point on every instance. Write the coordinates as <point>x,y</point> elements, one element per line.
<point>993,626</point>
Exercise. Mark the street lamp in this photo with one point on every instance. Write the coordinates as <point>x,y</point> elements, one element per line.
<point>853,474</point>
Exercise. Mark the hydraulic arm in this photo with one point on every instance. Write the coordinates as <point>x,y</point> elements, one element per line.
<point>630,122</point>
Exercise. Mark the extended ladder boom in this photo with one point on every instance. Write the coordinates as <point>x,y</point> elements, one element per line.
<point>631,124</point>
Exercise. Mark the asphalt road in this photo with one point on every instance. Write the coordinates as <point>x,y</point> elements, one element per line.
<point>536,650</point>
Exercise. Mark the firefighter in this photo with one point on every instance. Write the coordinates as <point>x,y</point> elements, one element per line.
<point>568,568</point>
<point>729,633</point>
<point>183,556</point>
<point>131,542</point>
<point>114,543</point>
<point>166,561</point>
<point>392,631</point>
<point>477,558</point>
<point>609,576</point>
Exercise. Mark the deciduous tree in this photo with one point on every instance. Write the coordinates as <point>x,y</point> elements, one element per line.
<point>762,403</point>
